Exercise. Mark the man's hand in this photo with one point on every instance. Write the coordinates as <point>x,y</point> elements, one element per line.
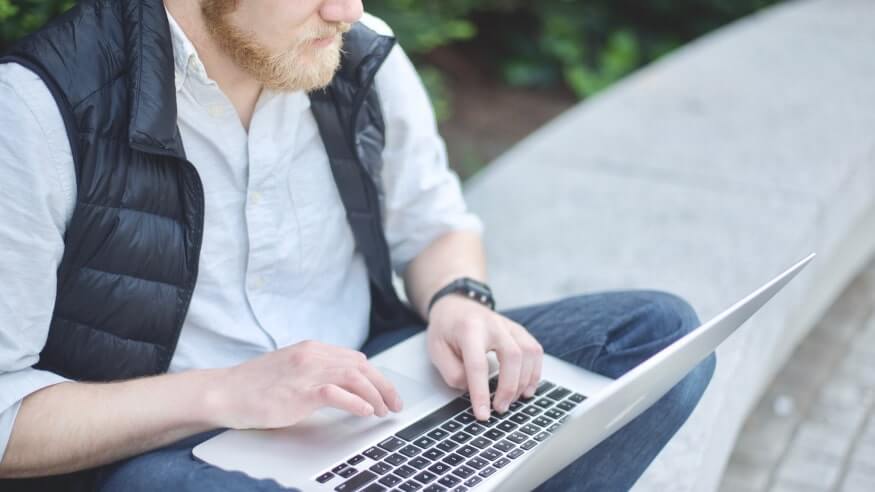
<point>281,388</point>
<point>461,332</point>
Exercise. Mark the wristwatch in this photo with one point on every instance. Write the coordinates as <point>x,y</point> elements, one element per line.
<point>470,288</point>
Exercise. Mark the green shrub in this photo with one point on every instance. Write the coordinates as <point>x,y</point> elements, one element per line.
<point>582,44</point>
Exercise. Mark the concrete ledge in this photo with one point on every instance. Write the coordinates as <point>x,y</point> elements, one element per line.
<point>704,174</point>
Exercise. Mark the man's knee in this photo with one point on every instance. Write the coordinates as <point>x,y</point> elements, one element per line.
<point>648,321</point>
<point>682,399</point>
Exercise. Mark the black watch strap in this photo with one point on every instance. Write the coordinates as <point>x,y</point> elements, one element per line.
<point>470,288</point>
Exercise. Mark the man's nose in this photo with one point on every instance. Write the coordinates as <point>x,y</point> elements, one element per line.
<point>341,10</point>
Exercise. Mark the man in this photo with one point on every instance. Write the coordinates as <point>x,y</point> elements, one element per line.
<point>154,291</point>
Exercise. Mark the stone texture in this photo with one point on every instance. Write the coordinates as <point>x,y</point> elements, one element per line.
<point>831,444</point>
<point>705,174</point>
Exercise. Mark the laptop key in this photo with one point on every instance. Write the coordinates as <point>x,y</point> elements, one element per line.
<point>500,463</point>
<point>463,472</point>
<point>449,481</point>
<point>392,444</point>
<point>390,480</point>
<point>438,434</point>
<point>395,459</point>
<point>410,450</point>
<point>542,421</point>
<point>433,419</point>
<point>374,487</point>
<point>553,427</point>
<point>481,442</point>
<point>424,442</point>
<point>460,437</point>
<point>453,459</point>
<point>473,481</point>
<point>477,462</point>
<point>447,445</point>
<point>529,444</point>
<point>425,477</point>
<point>494,434</point>
<point>339,467</point>
<point>541,436</point>
<point>356,459</point>
<point>380,468</point>
<point>404,471</point>
<point>325,477</point>
<point>419,462</point>
<point>577,398</point>
<point>530,429</point>
<point>516,453</point>
<point>566,405</point>
<point>451,426</point>
<point>544,403</point>
<point>490,454</point>
<point>433,454</point>
<point>506,426</point>
<point>504,445</point>
<point>347,472</point>
<point>410,486</point>
<point>487,471</point>
<point>474,429</point>
<point>558,393</point>
<point>544,387</point>
<point>460,488</point>
<point>520,418</point>
<point>492,420</point>
<point>357,481</point>
<point>554,413</point>
<point>532,410</point>
<point>517,437</point>
<point>434,488</point>
<point>465,418</point>
<point>374,453</point>
<point>439,468</point>
<point>515,405</point>
<point>467,451</point>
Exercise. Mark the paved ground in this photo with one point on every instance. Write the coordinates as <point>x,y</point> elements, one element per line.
<point>814,430</point>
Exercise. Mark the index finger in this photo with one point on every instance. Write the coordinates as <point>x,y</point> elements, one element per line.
<point>477,374</point>
<point>384,386</point>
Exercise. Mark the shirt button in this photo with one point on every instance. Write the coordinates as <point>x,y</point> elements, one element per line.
<point>255,198</point>
<point>258,282</point>
<point>216,110</point>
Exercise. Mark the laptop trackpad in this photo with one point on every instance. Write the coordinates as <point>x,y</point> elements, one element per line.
<point>412,393</point>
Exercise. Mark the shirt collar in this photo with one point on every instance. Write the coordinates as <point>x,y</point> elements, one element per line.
<point>186,61</point>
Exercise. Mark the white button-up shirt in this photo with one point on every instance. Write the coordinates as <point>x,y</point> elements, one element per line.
<point>278,262</point>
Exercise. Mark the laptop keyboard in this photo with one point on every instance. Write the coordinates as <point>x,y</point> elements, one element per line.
<point>450,450</point>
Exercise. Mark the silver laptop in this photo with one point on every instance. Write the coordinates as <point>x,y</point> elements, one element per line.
<point>436,444</point>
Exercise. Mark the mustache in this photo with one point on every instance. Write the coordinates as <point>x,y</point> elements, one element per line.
<point>327,30</point>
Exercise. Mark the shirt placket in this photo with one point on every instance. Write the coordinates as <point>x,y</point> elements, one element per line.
<point>262,209</point>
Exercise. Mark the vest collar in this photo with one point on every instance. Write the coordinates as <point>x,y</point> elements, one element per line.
<point>152,125</point>
<point>153,112</point>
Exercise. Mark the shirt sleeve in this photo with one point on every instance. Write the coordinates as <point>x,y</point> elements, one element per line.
<point>423,195</point>
<point>37,182</point>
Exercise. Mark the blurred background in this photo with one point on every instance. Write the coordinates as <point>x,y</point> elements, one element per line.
<point>692,146</point>
<point>487,62</point>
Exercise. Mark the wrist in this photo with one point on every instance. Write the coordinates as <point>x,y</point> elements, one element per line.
<point>463,288</point>
<point>213,402</point>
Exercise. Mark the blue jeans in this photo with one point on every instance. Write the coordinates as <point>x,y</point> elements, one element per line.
<point>607,333</point>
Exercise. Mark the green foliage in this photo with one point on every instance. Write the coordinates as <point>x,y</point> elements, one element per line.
<point>23,16</point>
<point>582,44</point>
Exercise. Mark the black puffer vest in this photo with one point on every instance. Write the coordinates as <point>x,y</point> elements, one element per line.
<point>131,250</point>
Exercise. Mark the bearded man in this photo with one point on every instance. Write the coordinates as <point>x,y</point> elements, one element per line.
<point>203,205</point>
